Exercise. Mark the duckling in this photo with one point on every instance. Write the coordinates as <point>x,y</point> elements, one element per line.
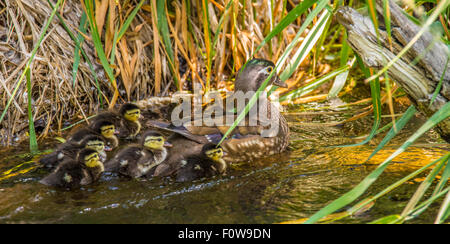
<point>104,128</point>
<point>136,160</point>
<point>69,150</point>
<point>126,120</point>
<point>209,163</point>
<point>86,169</point>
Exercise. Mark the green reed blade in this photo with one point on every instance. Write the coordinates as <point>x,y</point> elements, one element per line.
<point>387,20</point>
<point>33,142</point>
<point>33,53</point>
<point>388,189</point>
<point>127,22</point>
<point>78,48</point>
<point>340,80</point>
<point>376,102</point>
<point>427,202</point>
<point>444,210</point>
<point>77,52</point>
<point>208,47</point>
<point>390,219</point>
<point>438,87</point>
<point>357,191</point>
<point>220,25</point>
<point>307,44</point>
<point>97,41</point>
<point>395,129</point>
<point>163,30</point>
<point>114,46</point>
<point>423,187</point>
<point>320,6</point>
<point>301,91</point>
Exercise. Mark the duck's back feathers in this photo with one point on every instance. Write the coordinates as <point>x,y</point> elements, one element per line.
<point>64,151</point>
<point>181,149</point>
<point>195,167</point>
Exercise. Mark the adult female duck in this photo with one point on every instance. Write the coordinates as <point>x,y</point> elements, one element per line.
<point>247,142</point>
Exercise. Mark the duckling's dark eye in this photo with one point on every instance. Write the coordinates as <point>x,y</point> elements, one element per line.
<point>269,69</point>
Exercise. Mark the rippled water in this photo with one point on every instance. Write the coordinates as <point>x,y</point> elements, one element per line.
<point>285,187</point>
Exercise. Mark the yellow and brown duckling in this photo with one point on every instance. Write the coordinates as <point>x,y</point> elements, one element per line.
<point>70,173</point>
<point>209,163</point>
<point>136,160</point>
<point>126,120</point>
<point>69,150</point>
<point>103,128</point>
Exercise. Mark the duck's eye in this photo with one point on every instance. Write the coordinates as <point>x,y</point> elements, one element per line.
<point>95,144</point>
<point>133,112</point>
<point>106,129</point>
<point>269,69</point>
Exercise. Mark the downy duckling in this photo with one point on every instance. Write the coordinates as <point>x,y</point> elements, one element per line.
<point>69,150</point>
<point>103,128</point>
<point>208,164</point>
<point>136,160</point>
<point>126,120</point>
<point>86,169</point>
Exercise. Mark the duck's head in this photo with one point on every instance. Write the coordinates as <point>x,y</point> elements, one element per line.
<point>104,127</point>
<point>90,158</point>
<point>94,142</point>
<point>253,73</point>
<point>212,151</point>
<point>154,140</point>
<point>130,112</point>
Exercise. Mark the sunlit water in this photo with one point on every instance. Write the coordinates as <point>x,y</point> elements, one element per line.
<point>285,187</point>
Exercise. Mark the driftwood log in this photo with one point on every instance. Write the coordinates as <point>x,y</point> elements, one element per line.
<point>419,81</point>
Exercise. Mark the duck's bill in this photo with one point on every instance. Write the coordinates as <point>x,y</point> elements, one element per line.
<point>278,82</point>
<point>108,148</point>
<point>167,144</point>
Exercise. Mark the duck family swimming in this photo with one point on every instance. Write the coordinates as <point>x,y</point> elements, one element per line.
<point>189,153</point>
